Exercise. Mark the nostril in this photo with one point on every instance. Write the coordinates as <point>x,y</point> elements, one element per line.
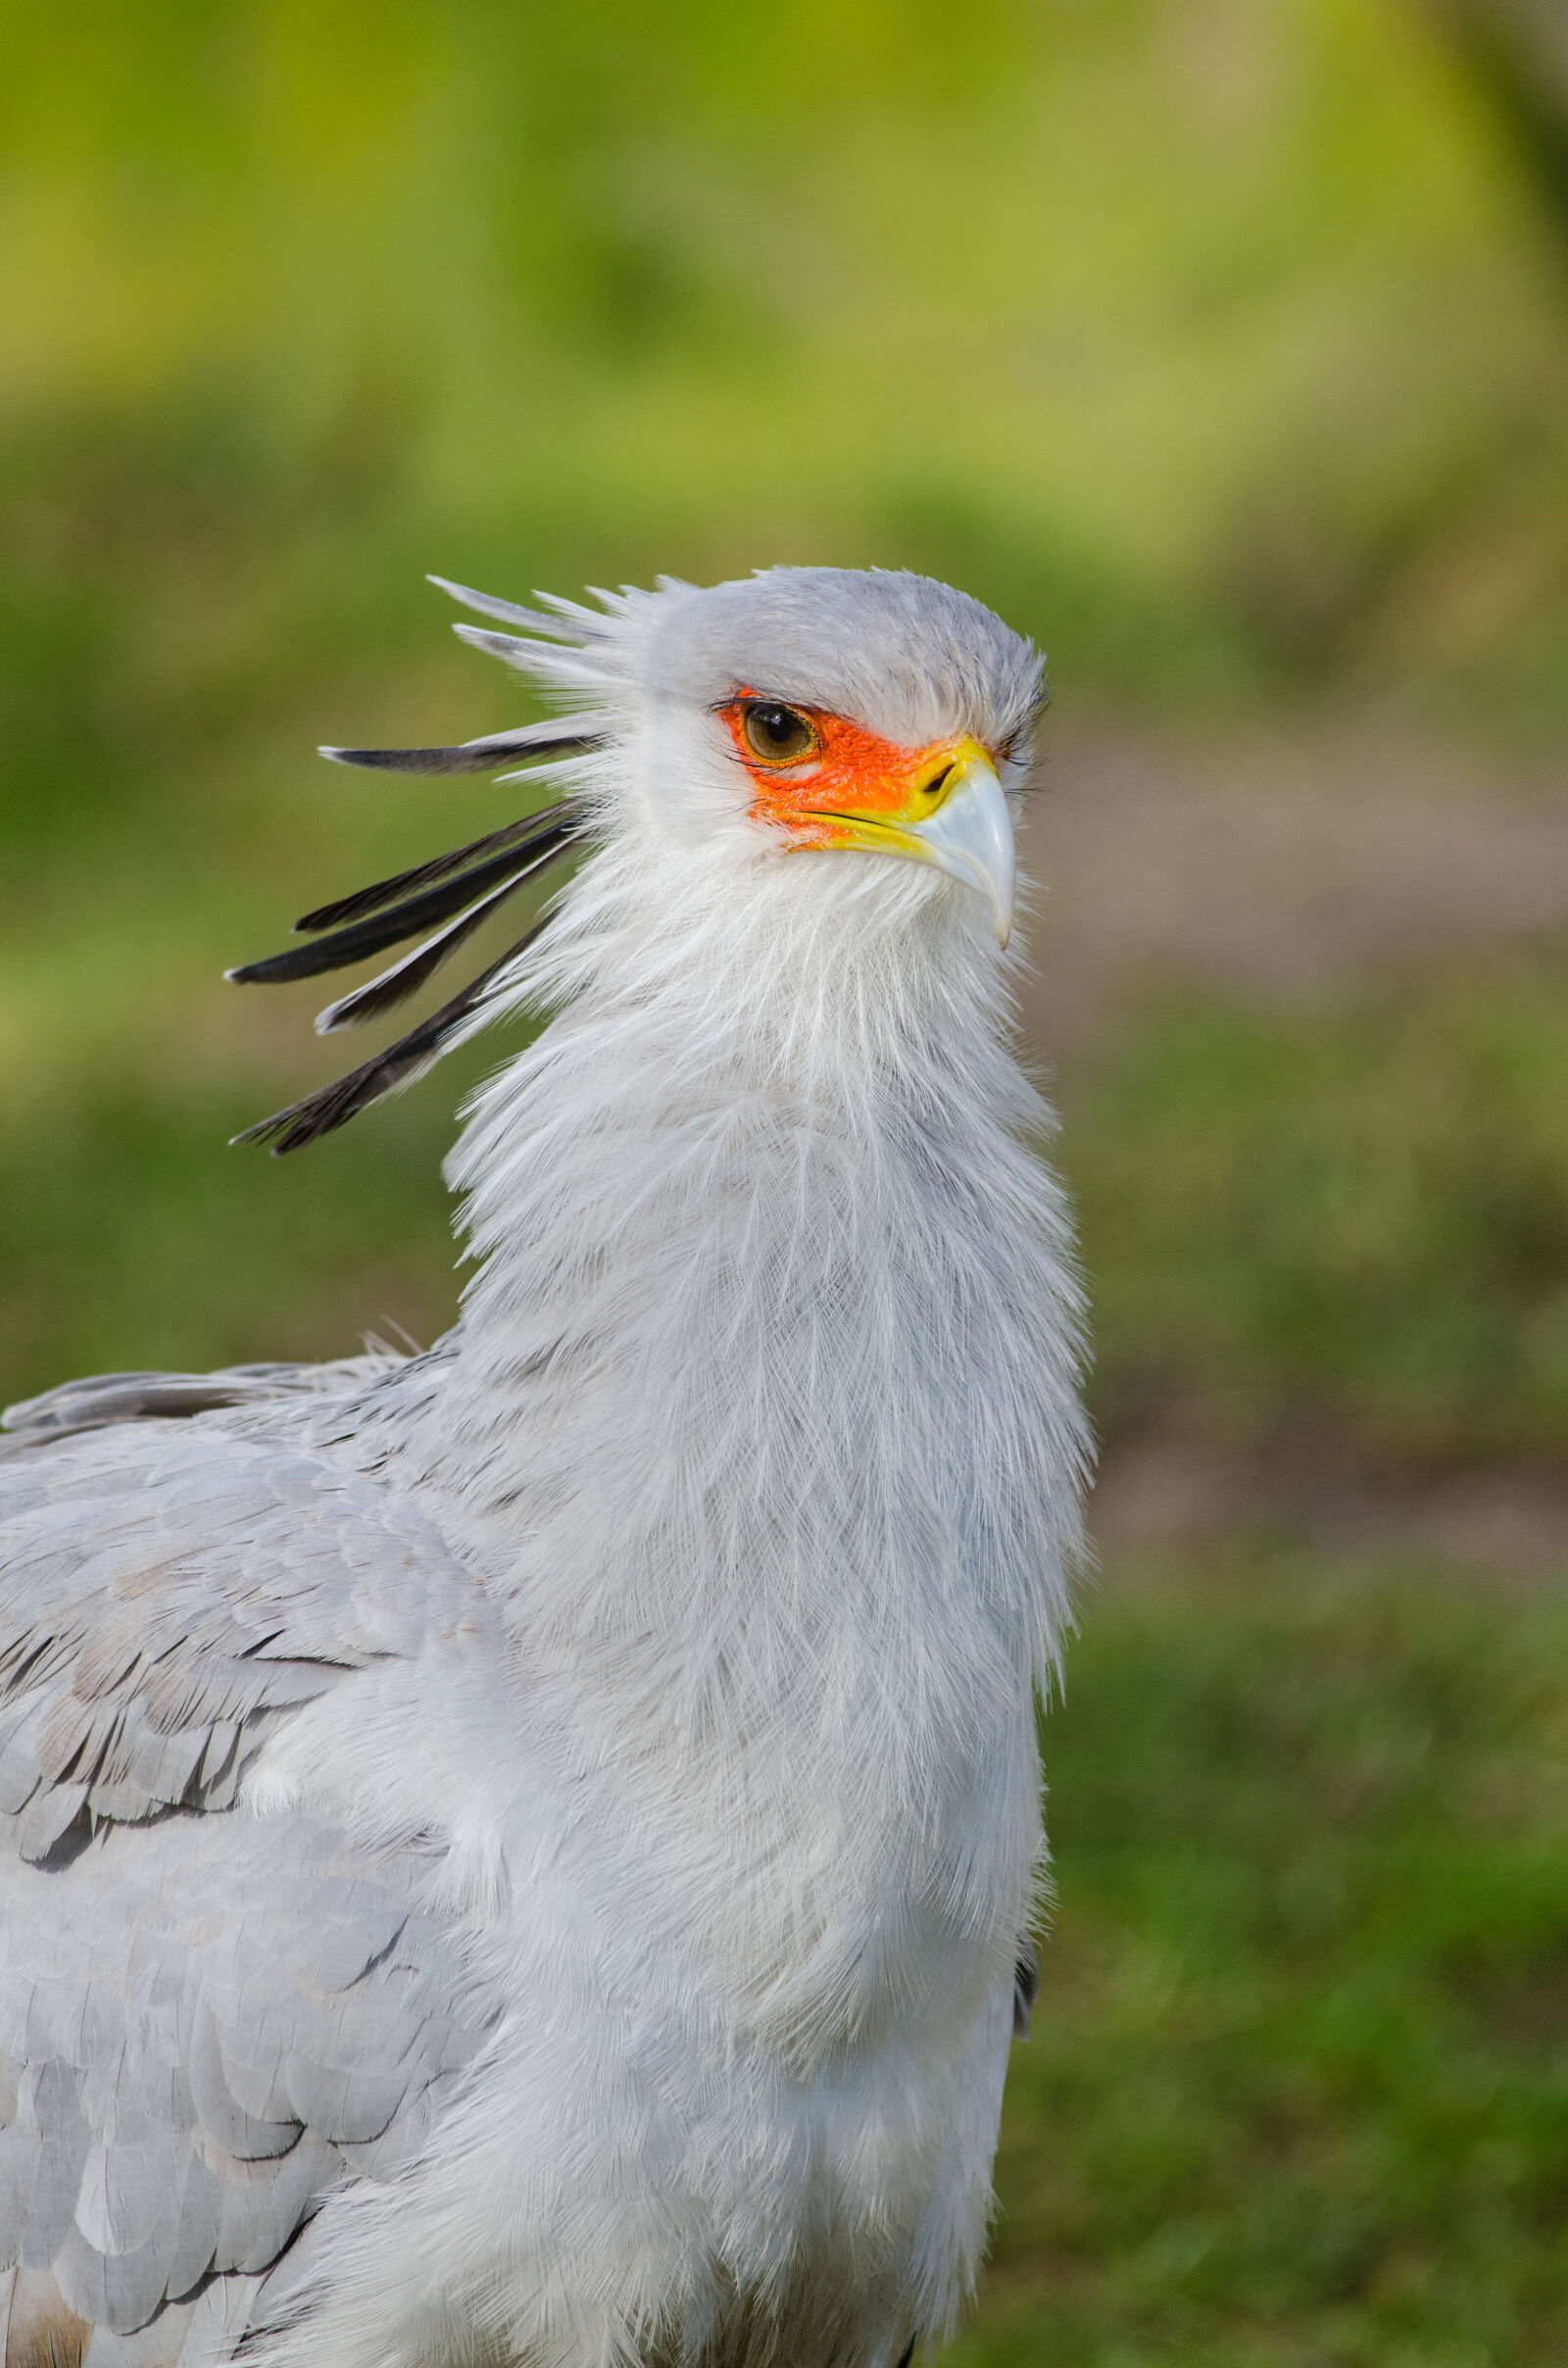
<point>937,782</point>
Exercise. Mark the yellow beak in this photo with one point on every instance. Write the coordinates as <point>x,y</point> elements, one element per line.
<point>953,815</point>
<point>968,833</point>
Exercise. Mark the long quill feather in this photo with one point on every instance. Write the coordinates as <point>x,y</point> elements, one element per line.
<point>334,1106</point>
<point>360,939</point>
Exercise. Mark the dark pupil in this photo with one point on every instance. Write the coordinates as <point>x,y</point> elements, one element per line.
<point>777,726</point>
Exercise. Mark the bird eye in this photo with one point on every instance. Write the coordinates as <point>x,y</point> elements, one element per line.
<point>779,735</point>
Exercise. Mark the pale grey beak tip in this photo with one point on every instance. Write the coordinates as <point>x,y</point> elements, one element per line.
<point>970,837</point>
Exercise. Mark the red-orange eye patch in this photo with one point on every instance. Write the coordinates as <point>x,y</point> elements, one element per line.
<point>842,771</point>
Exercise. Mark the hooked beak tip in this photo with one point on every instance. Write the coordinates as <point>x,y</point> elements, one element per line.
<point>971,836</point>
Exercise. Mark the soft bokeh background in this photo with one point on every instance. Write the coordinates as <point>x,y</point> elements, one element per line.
<point>1222,344</point>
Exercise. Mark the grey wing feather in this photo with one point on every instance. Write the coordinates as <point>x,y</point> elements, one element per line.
<point>179,2114</point>
<point>168,1592</point>
<point>101,1399</point>
<point>204,2026</point>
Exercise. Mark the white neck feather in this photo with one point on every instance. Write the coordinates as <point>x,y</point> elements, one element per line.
<point>761,1416</point>
<point>774,1329</point>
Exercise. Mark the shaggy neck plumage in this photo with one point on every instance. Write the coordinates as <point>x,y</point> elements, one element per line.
<point>768,1297</point>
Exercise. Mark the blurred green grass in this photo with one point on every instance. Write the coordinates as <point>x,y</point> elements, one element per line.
<point>1352,1217</point>
<point>1298,2091</point>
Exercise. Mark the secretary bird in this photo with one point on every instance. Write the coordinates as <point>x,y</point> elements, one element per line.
<point>521,1853</point>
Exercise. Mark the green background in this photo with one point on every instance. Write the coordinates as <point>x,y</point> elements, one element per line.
<point>1222,345</point>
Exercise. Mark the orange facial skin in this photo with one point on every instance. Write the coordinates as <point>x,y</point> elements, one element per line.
<point>852,775</point>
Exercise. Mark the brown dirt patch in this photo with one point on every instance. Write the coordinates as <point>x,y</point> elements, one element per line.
<point>1279,869</point>
<point>1276,867</point>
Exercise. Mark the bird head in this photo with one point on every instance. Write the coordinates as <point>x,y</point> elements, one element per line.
<point>818,714</point>
<point>846,713</point>
<point>823,782</point>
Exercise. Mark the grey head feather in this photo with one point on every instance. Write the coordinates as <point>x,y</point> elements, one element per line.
<point>571,624</point>
<point>902,653</point>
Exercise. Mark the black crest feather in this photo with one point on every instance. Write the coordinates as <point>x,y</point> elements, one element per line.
<point>569,739</point>
<point>449,896</point>
<point>407,975</point>
<point>519,835</point>
<point>551,833</point>
<point>334,1106</point>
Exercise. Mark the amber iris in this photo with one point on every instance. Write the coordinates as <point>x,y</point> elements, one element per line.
<point>778,734</point>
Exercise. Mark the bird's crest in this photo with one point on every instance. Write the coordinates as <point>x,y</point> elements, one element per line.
<point>452,894</point>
